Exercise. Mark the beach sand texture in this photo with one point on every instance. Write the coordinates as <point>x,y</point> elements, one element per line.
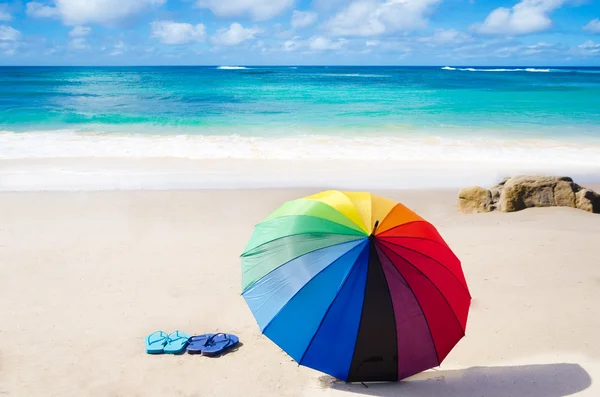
<point>85,276</point>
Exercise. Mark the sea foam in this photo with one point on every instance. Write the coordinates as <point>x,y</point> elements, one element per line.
<point>532,70</point>
<point>73,144</point>
<point>231,67</point>
<point>68,160</point>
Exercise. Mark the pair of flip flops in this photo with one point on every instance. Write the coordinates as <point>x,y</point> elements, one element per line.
<point>211,344</point>
<point>177,342</point>
<point>160,342</point>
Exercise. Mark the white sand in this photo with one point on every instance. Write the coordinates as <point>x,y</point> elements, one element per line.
<point>120,173</point>
<point>85,276</point>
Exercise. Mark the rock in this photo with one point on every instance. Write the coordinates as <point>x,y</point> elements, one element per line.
<point>474,199</point>
<point>588,200</point>
<point>495,191</point>
<point>564,194</point>
<point>525,191</point>
<point>503,181</point>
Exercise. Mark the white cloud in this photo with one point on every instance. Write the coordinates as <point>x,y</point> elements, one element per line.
<point>102,12</point>
<point>169,32</point>
<point>320,43</point>
<point>259,45</point>
<point>38,10</point>
<point>79,31</point>
<point>4,14</point>
<point>589,48</point>
<point>371,43</point>
<point>372,18</point>
<point>8,49</point>
<point>545,49</point>
<point>302,19</point>
<point>9,39</point>
<point>446,36</point>
<point>291,45</point>
<point>593,26</point>
<point>236,34</point>
<point>510,48</point>
<point>119,48</point>
<point>327,5</point>
<point>534,49</point>
<point>527,16</point>
<point>78,44</point>
<point>259,10</point>
<point>8,33</point>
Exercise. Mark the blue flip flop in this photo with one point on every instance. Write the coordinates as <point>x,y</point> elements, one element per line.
<point>155,342</point>
<point>176,342</point>
<point>219,343</point>
<point>198,343</point>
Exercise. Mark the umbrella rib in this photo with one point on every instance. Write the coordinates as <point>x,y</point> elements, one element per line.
<point>392,210</point>
<point>330,306</point>
<point>383,234</point>
<point>362,311</point>
<point>432,283</point>
<point>249,253</point>
<point>304,286</point>
<point>340,212</point>
<point>306,253</point>
<point>367,224</point>
<point>416,300</point>
<point>383,239</point>
<point>321,235</point>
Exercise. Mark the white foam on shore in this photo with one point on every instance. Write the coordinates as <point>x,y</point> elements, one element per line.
<point>66,160</point>
<point>70,144</point>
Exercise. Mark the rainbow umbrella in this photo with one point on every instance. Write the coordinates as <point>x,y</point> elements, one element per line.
<point>356,286</point>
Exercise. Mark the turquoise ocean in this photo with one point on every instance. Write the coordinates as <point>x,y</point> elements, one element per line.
<point>235,111</point>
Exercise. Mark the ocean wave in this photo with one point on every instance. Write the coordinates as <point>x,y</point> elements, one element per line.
<point>231,67</point>
<point>578,71</point>
<point>531,70</point>
<point>353,75</point>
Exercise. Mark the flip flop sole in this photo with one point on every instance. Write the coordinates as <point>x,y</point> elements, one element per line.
<point>178,344</point>
<point>155,346</point>
<point>221,345</point>
<point>197,343</point>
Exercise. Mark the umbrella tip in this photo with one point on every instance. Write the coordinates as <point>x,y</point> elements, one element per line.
<point>374,228</point>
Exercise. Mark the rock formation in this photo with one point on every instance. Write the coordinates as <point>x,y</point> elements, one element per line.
<point>525,191</point>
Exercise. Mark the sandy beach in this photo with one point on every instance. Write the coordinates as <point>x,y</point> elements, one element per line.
<point>85,276</point>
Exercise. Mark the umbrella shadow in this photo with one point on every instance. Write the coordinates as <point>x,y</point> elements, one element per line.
<point>544,380</point>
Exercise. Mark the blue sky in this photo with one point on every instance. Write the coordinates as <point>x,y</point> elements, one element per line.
<point>272,32</point>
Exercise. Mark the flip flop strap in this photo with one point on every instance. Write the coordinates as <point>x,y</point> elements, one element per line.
<point>177,337</point>
<point>163,335</point>
<point>211,339</point>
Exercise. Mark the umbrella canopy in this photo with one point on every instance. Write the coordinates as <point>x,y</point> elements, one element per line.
<point>356,286</point>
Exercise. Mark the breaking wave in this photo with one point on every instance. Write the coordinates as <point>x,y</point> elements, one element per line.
<point>532,70</point>
<point>231,67</point>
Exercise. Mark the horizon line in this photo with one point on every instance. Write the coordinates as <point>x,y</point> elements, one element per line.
<point>306,65</point>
